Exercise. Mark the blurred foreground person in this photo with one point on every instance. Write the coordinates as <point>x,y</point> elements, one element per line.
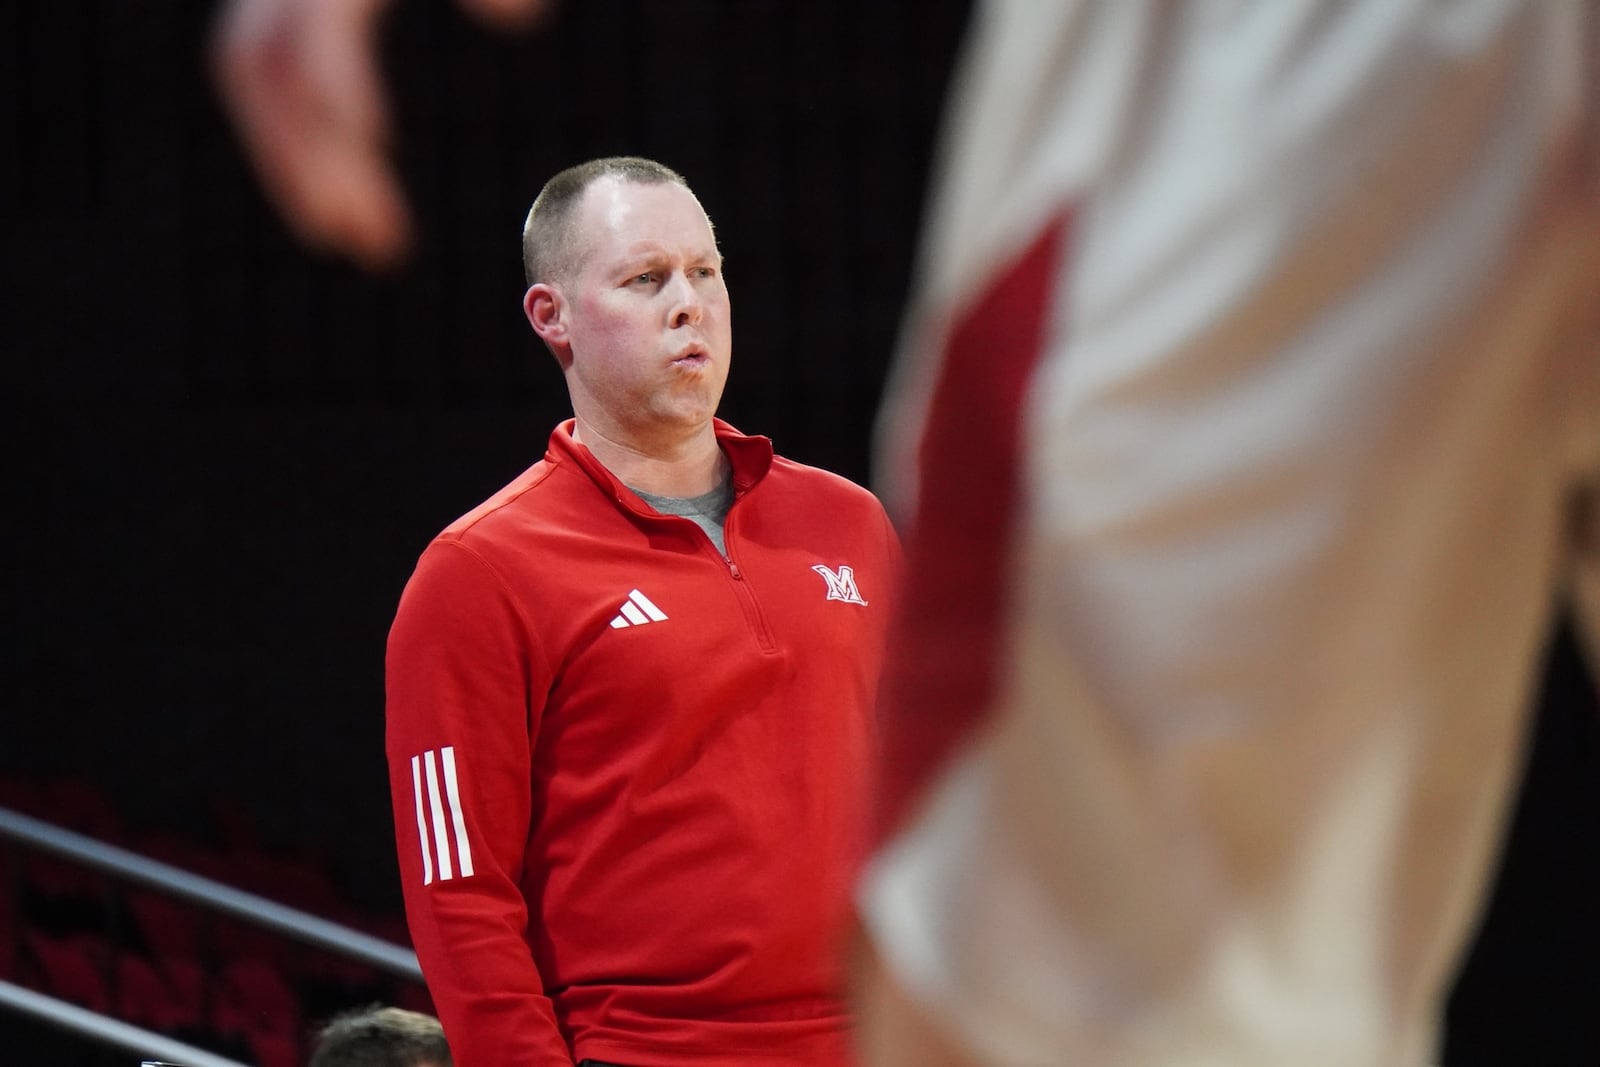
<point>630,696</point>
<point>381,1037</point>
<point>1249,416</point>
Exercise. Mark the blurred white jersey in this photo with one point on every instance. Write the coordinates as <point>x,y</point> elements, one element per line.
<point>1245,414</point>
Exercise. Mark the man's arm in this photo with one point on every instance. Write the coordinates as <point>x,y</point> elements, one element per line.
<point>465,684</point>
<point>301,81</point>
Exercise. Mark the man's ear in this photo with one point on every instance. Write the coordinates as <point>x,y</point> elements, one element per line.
<point>546,310</point>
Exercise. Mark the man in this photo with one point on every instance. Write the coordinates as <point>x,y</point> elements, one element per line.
<point>1250,415</point>
<point>629,695</point>
<point>381,1037</point>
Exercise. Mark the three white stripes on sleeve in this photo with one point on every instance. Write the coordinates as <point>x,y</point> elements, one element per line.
<point>433,810</point>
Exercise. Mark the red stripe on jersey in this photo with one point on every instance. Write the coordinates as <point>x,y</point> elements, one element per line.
<point>946,645</point>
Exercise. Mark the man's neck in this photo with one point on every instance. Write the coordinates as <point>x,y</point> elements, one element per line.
<point>681,467</point>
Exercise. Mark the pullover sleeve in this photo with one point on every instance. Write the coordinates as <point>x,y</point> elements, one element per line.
<point>465,686</point>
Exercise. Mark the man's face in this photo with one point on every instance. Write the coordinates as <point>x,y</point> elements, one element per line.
<point>648,316</point>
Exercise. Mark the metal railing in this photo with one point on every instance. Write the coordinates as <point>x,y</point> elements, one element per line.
<point>106,1030</point>
<point>208,893</point>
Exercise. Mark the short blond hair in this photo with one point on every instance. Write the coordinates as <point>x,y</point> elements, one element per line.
<point>547,251</point>
<point>378,1036</point>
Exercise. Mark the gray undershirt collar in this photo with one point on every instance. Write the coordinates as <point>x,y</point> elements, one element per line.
<point>708,510</point>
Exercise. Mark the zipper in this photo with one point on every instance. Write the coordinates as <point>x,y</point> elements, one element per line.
<point>754,616</point>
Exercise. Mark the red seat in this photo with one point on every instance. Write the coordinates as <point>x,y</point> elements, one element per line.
<point>146,996</point>
<point>169,927</point>
<point>253,996</point>
<point>187,980</point>
<point>255,1002</point>
<point>241,938</point>
<point>299,882</point>
<point>52,876</point>
<point>325,967</point>
<point>72,968</point>
<point>275,1049</point>
<point>9,929</point>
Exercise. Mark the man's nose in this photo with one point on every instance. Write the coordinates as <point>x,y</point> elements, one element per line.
<point>687,306</point>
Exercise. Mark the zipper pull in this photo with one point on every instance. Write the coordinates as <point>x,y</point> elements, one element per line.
<point>733,568</point>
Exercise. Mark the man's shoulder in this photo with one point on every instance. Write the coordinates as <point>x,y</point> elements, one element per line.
<point>518,505</point>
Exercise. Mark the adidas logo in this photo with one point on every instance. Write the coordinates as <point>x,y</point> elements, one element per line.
<point>637,611</point>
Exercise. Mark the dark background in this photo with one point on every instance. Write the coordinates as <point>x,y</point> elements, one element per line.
<point>227,452</point>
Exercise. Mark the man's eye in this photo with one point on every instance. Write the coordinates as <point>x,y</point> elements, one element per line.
<point>645,278</point>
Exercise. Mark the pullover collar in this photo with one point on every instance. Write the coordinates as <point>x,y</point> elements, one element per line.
<point>749,459</point>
